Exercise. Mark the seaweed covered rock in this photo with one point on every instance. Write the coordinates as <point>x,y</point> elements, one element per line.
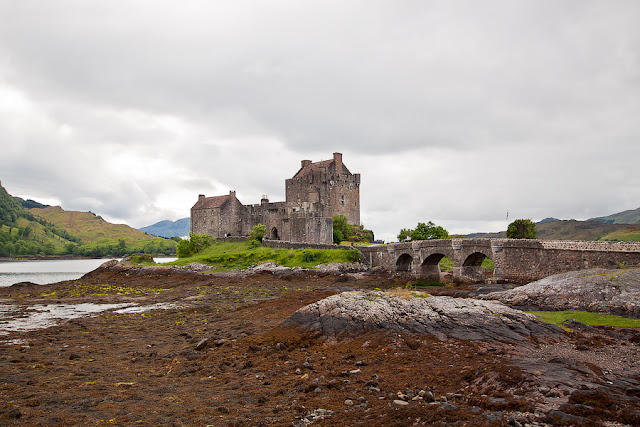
<point>469,319</point>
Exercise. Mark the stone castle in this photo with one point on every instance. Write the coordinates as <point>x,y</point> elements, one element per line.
<point>316,193</point>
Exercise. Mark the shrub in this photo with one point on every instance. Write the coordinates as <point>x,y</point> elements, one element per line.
<point>308,255</point>
<point>254,244</point>
<point>355,255</point>
<point>195,244</point>
<point>258,232</point>
<point>342,230</point>
<point>139,258</point>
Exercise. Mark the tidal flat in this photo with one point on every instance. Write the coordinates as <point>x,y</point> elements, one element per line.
<point>222,350</point>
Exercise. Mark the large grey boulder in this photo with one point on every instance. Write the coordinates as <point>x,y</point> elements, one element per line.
<point>469,319</point>
<point>597,290</point>
<point>342,267</point>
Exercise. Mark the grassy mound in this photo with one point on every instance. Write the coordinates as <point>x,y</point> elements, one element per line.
<point>229,255</point>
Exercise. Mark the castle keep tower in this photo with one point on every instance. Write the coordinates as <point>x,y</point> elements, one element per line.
<point>329,186</point>
<point>316,193</point>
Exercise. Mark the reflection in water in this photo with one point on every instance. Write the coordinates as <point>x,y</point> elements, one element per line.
<point>19,319</point>
<point>35,317</point>
<point>46,271</point>
<point>51,271</point>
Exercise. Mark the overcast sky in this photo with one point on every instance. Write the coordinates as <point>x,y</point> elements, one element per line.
<point>453,111</point>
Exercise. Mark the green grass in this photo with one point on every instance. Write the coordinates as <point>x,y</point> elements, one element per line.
<point>348,243</point>
<point>425,284</point>
<point>230,255</point>
<point>446,264</point>
<point>593,319</point>
<point>141,259</point>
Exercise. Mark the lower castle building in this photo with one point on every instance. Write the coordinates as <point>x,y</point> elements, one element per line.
<point>316,193</point>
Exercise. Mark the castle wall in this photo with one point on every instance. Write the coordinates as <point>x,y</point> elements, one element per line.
<point>311,230</point>
<point>317,193</point>
<point>279,244</point>
<point>308,188</point>
<point>206,221</point>
<point>344,197</point>
<point>330,187</point>
<point>226,218</point>
<point>231,218</point>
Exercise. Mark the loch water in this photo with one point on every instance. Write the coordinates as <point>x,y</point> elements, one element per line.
<point>43,272</point>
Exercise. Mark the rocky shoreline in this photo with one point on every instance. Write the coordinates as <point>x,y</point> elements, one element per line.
<point>597,290</point>
<point>339,346</point>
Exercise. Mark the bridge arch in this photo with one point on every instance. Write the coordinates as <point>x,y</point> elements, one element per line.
<point>472,270</point>
<point>430,267</point>
<point>404,263</point>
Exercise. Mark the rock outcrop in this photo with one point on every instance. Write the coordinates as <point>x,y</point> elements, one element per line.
<point>597,290</point>
<point>469,319</point>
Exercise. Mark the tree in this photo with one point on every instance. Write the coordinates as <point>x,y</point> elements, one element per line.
<point>258,232</point>
<point>405,235</point>
<point>522,229</point>
<point>342,231</point>
<point>195,244</point>
<point>423,231</point>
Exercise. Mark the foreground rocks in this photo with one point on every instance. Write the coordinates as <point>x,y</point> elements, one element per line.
<point>267,267</point>
<point>443,317</point>
<point>228,353</point>
<point>597,290</point>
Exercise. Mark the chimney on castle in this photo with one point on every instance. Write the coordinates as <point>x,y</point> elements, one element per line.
<point>200,197</point>
<point>232,193</point>
<point>305,163</point>
<point>337,161</point>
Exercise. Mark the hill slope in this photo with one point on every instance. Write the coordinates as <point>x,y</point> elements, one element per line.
<point>625,217</point>
<point>580,230</point>
<point>97,236</point>
<point>53,231</point>
<point>179,228</point>
<point>22,233</point>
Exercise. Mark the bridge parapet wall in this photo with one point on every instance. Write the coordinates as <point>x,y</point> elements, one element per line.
<point>591,246</point>
<point>529,260</point>
<point>515,260</point>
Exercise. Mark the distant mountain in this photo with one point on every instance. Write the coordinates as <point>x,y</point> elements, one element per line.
<point>476,235</point>
<point>547,220</point>
<point>166,228</point>
<point>626,217</point>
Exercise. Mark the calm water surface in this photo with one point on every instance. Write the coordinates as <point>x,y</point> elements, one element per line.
<point>50,271</point>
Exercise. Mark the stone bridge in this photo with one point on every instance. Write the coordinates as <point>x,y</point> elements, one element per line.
<point>515,260</point>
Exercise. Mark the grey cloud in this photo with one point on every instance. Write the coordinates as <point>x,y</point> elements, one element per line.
<point>455,110</point>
